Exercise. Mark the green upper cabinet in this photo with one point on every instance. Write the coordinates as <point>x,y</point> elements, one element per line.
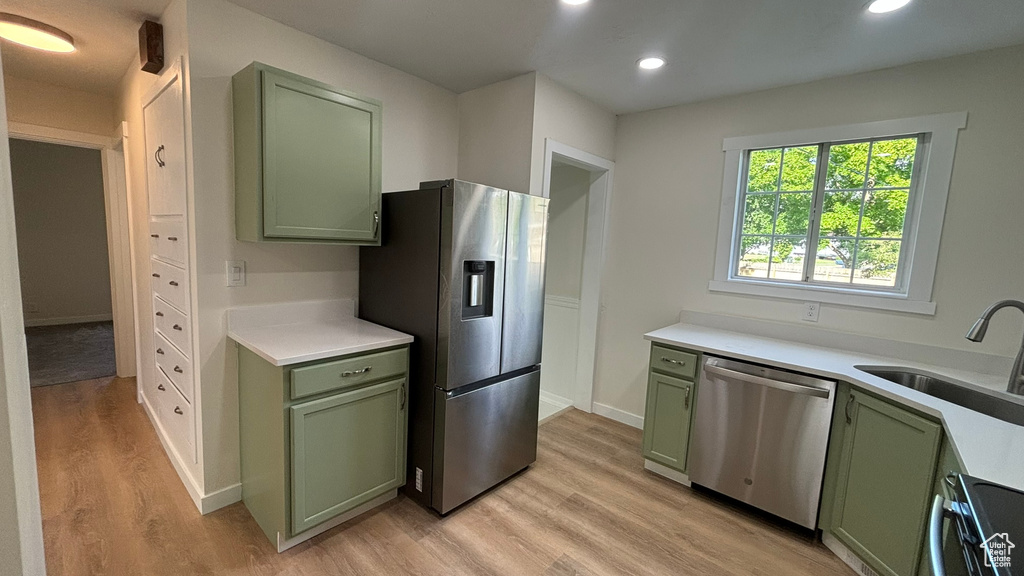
<point>884,482</point>
<point>307,160</point>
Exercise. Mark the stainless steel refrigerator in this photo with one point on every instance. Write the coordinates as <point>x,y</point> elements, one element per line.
<point>461,268</point>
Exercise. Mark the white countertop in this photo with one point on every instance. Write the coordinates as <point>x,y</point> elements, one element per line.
<point>285,334</point>
<point>986,447</point>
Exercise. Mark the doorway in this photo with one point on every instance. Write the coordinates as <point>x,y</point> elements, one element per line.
<point>578,185</point>
<point>70,199</point>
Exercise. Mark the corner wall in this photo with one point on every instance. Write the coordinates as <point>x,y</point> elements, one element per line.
<point>668,183</point>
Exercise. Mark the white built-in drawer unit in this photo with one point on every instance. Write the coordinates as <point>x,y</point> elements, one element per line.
<point>174,414</point>
<point>171,284</point>
<point>172,324</point>
<point>176,366</point>
<point>167,240</point>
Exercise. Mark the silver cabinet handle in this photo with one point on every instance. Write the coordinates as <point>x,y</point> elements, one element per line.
<point>173,283</point>
<point>671,361</point>
<point>348,373</point>
<point>177,410</point>
<point>160,387</point>
<point>179,370</point>
<point>686,398</point>
<point>176,327</point>
<point>767,382</point>
<point>849,405</point>
<point>160,351</point>
<point>940,509</point>
<point>376,222</point>
<point>403,398</point>
<point>159,159</point>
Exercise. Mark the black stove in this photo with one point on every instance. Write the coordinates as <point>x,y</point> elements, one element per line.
<point>990,524</point>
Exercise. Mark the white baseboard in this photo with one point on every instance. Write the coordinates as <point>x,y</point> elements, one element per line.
<point>619,415</point>
<point>662,470</point>
<point>555,399</point>
<point>284,544</point>
<point>205,503</point>
<point>34,322</point>
<point>845,554</point>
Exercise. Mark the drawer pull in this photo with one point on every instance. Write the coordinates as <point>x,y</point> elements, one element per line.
<point>160,387</point>
<point>671,361</point>
<point>155,275</point>
<point>348,373</point>
<point>176,327</point>
<point>177,410</point>
<point>179,370</point>
<point>173,283</point>
<point>160,351</point>
<point>172,238</point>
<point>160,314</point>
<point>154,235</point>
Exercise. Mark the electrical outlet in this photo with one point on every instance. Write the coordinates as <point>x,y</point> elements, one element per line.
<point>419,480</point>
<point>235,272</point>
<point>810,311</point>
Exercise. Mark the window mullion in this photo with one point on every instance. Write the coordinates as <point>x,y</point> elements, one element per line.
<point>817,205</point>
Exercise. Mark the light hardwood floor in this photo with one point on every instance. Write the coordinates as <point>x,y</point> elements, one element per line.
<point>112,504</point>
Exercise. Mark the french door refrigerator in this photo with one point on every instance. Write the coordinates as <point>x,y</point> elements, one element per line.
<point>461,268</point>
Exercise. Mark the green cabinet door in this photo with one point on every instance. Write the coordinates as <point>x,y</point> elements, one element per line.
<point>321,178</point>
<point>884,483</point>
<point>346,449</point>
<point>667,420</point>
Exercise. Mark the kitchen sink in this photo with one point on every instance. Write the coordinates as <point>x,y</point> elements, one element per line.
<point>987,402</point>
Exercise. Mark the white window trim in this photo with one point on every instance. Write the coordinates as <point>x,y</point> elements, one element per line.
<point>927,212</point>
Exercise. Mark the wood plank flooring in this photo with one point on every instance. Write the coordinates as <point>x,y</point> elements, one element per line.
<point>112,504</point>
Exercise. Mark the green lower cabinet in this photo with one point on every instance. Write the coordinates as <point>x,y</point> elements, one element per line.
<point>309,460</point>
<point>667,420</point>
<point>884,480</point>
<point>346,449</point>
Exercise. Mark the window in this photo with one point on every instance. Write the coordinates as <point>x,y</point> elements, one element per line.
<point>847,215</point>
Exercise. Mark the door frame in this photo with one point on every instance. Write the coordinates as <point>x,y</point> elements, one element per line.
<point>120,244</point>
<point>594,248</point>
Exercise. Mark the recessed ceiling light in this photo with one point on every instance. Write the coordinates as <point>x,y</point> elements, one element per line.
<point>883,6</point>
<point>34,34</point>
<point>651,63</point>
<point>575,2</point>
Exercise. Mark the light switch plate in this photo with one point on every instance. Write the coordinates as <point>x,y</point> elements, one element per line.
<point>235,273</point>
<point>810,311</point>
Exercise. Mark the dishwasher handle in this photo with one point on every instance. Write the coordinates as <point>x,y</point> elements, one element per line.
<point>767,382</point>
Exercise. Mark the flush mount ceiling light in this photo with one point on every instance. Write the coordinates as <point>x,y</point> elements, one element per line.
<point>34,34</point>
<point>650,63</point>
<point>574,2</point>
<point>883,6</point>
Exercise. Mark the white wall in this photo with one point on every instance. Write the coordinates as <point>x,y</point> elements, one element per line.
<point>668,181</point>
<point>42,104</point>
<point>420,142</point>
<point>496,133</point>
<point>567,229</point>
<point>21,548</point>
<point>62,233</point>
<point>567,118</point>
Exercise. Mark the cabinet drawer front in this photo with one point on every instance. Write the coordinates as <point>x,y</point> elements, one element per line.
<point>175,415</point>
<point>173,325</point>
<point>674,362</point>
<point>171,284</point>
<point>346,449</point>
<point>175,365</point>
<point>167,240</point>
<point>348,372</point>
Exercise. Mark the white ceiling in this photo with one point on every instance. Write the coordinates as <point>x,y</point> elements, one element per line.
<point>106,34</point>
<point>714,47</point>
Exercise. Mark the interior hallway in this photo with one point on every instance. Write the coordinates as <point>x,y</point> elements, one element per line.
<point>112,504</point>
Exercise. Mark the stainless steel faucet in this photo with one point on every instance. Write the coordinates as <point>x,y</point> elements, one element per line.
<point>977,333</point>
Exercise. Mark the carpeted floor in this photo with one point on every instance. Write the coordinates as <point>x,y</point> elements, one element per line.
<point>70,353</point>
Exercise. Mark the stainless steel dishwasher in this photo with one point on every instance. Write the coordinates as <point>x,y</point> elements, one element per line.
<point>760,436</point>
